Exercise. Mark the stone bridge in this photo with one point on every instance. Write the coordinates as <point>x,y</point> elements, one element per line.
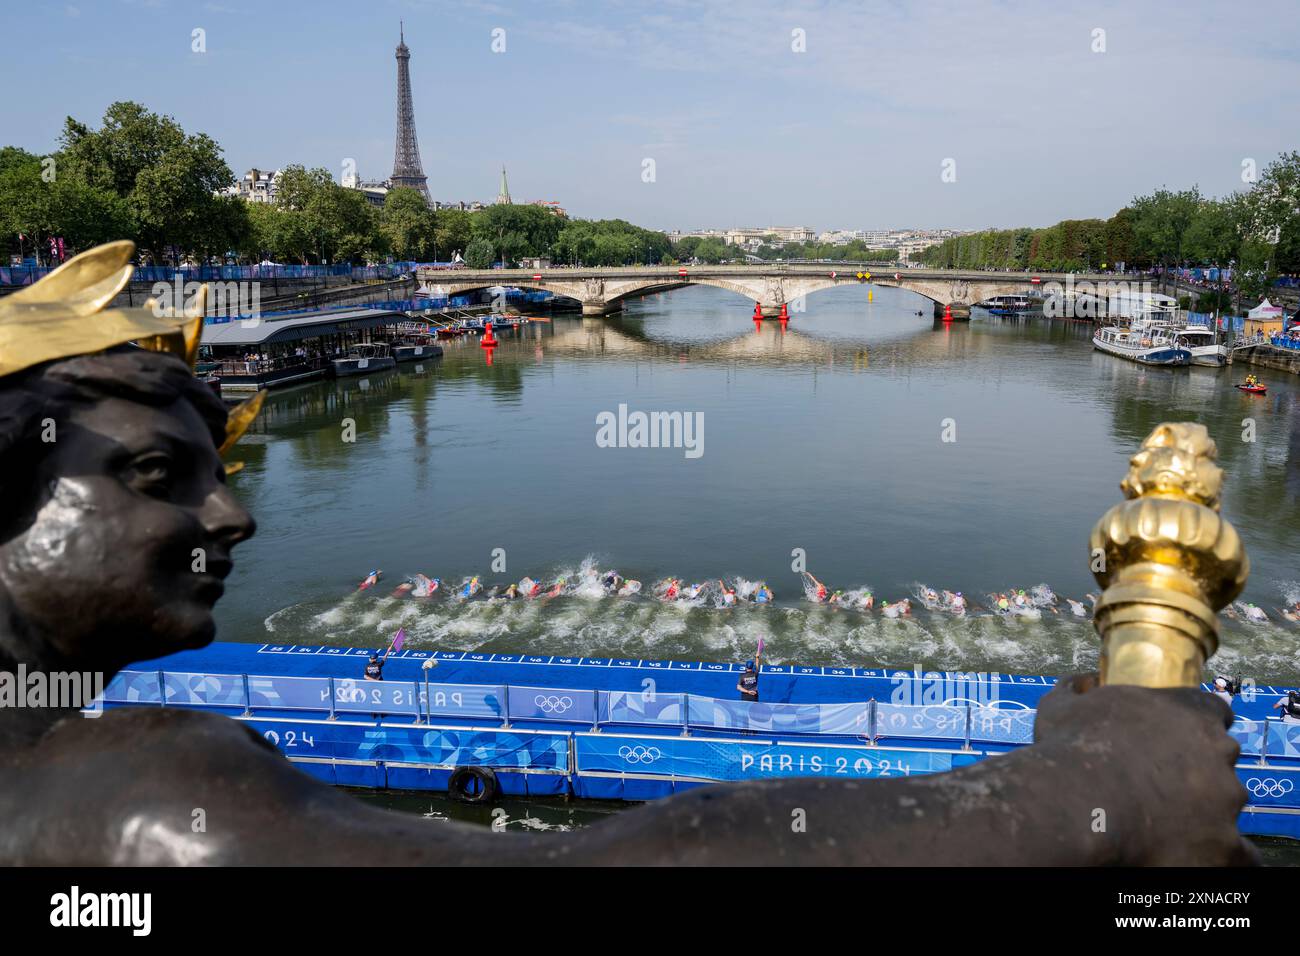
<point>602,290</point>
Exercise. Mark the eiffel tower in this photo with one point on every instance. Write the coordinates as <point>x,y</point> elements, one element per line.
<point>407,170</point>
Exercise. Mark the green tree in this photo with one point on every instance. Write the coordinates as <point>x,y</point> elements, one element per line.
<point>1161,221</point>
<point>453,231</point>
<point>408,225</point>
<point>167,178</point>
<point>479,254</point>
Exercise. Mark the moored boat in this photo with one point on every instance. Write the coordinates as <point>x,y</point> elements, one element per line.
<point>1145,342</point>
<point>414,351</point>
<point>1201,342</point>
<point>1008,304</point>
<point>361,359</point>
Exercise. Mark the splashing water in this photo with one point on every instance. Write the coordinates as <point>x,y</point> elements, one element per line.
<point>585,619</point>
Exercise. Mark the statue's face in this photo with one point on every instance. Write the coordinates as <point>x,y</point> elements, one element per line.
<point>130,536</point>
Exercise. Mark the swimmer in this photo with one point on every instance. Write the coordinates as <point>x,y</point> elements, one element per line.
<point>557,588</point>
<point>611,581</point>
<point>1291,613</point>
<point>1255,614</point>
<point>371,580</point>
<point>728,594</point>
<point>1020,600</point>
<point>835,598</point>
<point>530,588</point>
<point>695,590</point>
<point>868,601</point>
<point>671,591</point>
<point>470,588</point>
<point>422,586</point>
<point>763,594</point>
<point>1002,605</point>
<point>957,603</point>
<point>629,588</point>
<point>818,590</point>
<point>512,592</point>
<point>930,597</point>
<point>1076,607</point>
<point>898,608</point>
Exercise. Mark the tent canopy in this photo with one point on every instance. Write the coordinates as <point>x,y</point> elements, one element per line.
<point>1266,310</point>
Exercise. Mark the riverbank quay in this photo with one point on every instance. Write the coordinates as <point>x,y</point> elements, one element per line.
<point>481,724</point>
<point>1270,356</point>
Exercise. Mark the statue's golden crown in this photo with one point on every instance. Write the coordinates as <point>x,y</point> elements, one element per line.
<point>65,314</point>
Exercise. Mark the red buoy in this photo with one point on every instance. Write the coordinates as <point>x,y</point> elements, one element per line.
<point>488,339</point>
<point>947,312</point>
<point>785,313</point>
<point>758,312</point>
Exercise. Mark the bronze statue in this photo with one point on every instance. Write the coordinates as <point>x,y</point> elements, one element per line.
<point>112,483</point>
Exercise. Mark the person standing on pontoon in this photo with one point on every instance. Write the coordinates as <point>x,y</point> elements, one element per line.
<point>748,683</point>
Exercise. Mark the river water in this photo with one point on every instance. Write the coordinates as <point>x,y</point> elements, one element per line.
<point>826,436</point>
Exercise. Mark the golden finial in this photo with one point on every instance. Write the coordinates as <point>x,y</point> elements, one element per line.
<point>1167,561</point>
<point>51,319</point>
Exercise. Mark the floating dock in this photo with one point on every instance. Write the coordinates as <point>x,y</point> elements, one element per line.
<point>630,729</point>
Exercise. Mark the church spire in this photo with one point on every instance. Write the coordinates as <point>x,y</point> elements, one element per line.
<point>503,197</point>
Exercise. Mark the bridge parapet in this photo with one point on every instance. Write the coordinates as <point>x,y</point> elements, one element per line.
<point>602,289</point>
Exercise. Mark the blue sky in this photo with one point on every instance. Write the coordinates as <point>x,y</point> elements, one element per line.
<point>852,132</point>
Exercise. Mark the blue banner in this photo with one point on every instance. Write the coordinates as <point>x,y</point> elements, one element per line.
<point>935,722</point>
<point>465,700</point>
<point>197,690</point>
<point>1001,725</point>
<point>1283,739</point>
<point>778,718</point>
<point>548,703</point>
<point>133,687</point>
<point>419,745</point>
<point>702,759</point>
<point>1271,786</point>
<point>1249,734</point>
<point>376,696</point>
<point>640,707</point>
<point>290,693</point>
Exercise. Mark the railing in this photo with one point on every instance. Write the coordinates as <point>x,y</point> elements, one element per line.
<point>870,721</point>
<point>27,274</point>
<point>1285,342</point>
<point>260,366</point>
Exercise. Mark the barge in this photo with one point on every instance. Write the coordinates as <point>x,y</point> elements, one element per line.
<point>628,729</point>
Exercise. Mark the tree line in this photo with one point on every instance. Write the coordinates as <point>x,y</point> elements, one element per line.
<point>140,176</point>
<point>1255,231</point>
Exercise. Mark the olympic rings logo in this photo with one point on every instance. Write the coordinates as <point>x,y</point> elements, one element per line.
<point>552,704</point>
<point>639,754</point>
<point>1268,787</point>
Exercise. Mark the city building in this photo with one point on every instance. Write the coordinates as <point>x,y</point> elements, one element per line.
<point>256,186</point>
<point>375,191</point>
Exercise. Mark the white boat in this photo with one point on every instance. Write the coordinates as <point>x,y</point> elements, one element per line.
<point>1201,341</point>
<point>1145,341</point>
<point>1008,304</point>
